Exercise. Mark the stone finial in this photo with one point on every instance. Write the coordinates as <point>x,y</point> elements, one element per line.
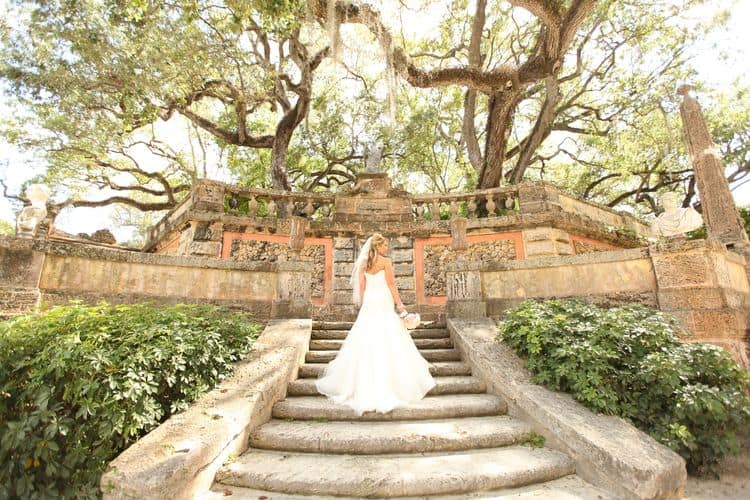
<point>32,215</point>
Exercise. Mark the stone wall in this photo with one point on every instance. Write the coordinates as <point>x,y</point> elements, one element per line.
<point>48,273</point>
<point>706,288</point>
<point>606,278</point>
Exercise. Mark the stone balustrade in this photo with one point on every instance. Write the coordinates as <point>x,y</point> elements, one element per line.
<point>475,204</point>
<point>269,203</point>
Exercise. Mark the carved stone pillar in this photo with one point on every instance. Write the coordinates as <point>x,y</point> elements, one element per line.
<point>463,282</point>
<point>719,210</point>
<point>293,290</point>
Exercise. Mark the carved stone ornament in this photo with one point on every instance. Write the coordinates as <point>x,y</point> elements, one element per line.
<point>32,215</point>
<point>675,220</point>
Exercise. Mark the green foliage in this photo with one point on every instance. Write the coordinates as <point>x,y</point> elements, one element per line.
<point>78,384</point>
<point>629,362</point>
<point>533,440</point>
<point>6,228</point>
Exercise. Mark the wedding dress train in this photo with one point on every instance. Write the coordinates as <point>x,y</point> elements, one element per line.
<point>378,367</point>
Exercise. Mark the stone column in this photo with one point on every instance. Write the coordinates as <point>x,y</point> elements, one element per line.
<point>463,281</point>
<point>293,290</point>
<point>705,287</point>
<point>719,211</point>
<point>20,271</point>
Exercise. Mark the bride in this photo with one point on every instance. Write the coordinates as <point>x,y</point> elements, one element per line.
<point>378,367</point>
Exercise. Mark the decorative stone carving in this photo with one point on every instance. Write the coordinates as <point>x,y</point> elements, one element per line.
<point>265,251</point>
<point>438,257</point>
<point>32,215</point>
<point>675,220</point>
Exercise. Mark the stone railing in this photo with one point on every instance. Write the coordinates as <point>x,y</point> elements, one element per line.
<point>476,204</point>
<point>268,203</point>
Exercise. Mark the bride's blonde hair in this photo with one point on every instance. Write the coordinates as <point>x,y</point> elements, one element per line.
<point>377,240</point>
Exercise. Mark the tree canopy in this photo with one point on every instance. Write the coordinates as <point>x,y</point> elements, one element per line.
<point>130,101</point>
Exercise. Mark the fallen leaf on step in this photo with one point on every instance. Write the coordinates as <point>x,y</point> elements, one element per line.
<point>227,492</point>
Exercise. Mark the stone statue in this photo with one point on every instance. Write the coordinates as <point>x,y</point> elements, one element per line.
<point>373,156</point>
<point>675,220</point>
<point>32,215</point>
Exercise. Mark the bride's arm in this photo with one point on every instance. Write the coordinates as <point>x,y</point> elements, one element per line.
<point>362,283</point>
<point>391,281</point>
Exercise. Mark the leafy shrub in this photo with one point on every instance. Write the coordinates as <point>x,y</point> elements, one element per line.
<point>79,384</point>
<point>629,362</point>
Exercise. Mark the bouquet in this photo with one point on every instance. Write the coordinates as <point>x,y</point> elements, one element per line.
<point>411,320</point>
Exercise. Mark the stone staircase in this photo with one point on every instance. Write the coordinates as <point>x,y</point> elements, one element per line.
<point>456,441</point>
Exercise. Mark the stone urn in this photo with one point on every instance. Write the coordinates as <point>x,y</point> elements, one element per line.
<point>32,215</point>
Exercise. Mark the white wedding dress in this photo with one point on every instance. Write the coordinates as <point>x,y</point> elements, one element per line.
<point>378,367</point>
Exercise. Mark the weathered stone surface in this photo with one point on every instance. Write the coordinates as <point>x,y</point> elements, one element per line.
<point>496,308</point>
<point>317,407</point>
<point>85,275</point>
<point>205,248</point>
<point>574,276</point>
<point>359,476</point>
<point>179,459</point>
<point>20,264</point>
<point>545,234</point>
<point>568,487</point>
<point>342,270</point>
<point>342,284</point>
<point>546,248</point>
<point>401,256</point>
<point>343,255</point>
<point>403,283</point>
<point>421,343</point>
<point>358,438</point>
<point>608,452</point>
<point>269,251</point>
<point>403,269</point>
<point>438,258</point>
<point>583,247</point>
<point>343,243</point>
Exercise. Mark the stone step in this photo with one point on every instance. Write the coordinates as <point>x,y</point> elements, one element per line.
<point>418,333</point>
<point>437,369</point>
<point>445,385</point>
<point>394,475</point>
<point>347,325</point>
<point>431,407</point>
<point>363,438</point>
<point>569,487</point>
<point>428,354</point>
<point>335,345</point>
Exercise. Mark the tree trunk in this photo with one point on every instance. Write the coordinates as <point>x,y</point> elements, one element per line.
<point>502,107</point>
<point>540,132</point>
